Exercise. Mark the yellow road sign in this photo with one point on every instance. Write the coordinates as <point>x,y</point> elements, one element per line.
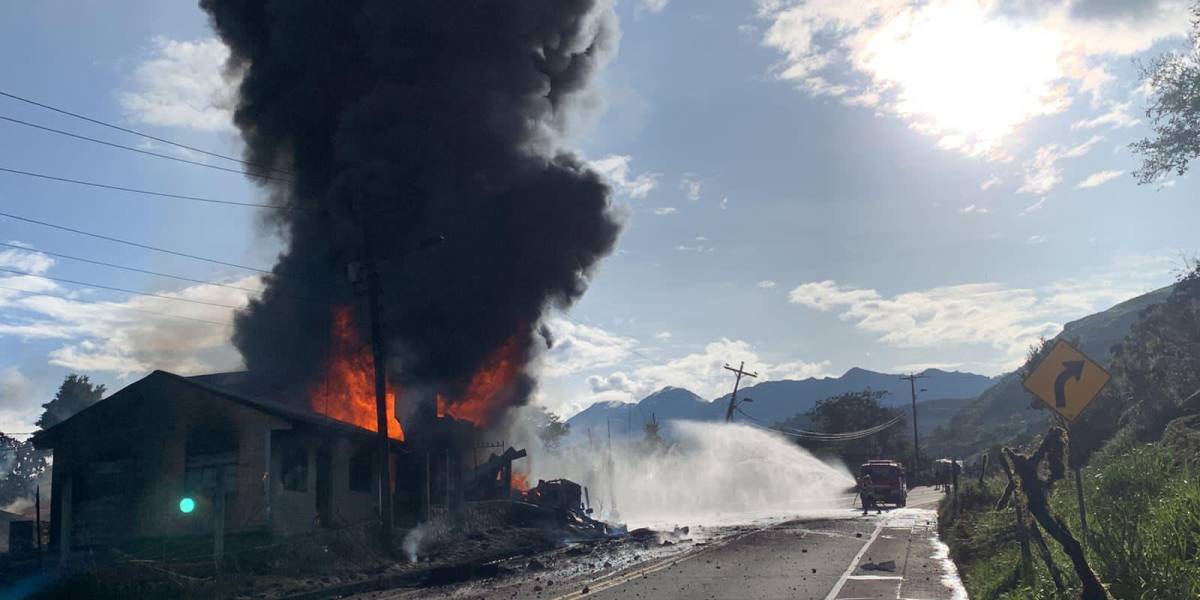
<point>1067,380</point>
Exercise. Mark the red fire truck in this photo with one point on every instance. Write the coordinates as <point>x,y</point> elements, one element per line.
<point>887,479</point>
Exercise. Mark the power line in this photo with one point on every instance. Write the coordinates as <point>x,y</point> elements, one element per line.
<point>133,244</point>
<point>818,436</point>
<point>127,268</point>
<point>138,150</point>
<point>141,134</point>
<point>117,289</point>
<point>149,312</point>
<point>137,190</point>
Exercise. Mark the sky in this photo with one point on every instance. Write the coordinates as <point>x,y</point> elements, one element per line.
<point>805,186</point>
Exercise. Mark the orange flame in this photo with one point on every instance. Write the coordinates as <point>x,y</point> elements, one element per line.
<point>346,391</point>
<point>484,399</point>
<point>520,482</point>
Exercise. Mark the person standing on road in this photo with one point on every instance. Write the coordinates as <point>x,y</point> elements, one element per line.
<point>866,491</point>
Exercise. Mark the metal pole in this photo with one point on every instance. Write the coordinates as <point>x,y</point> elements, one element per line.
<point>219,519</point>
<point>1083,526</point>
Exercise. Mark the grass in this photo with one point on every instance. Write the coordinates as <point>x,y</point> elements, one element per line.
<point>1143,507</point>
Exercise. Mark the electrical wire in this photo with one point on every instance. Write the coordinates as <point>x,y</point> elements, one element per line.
<point>139,150</point>
<point>117,289</point>
<point>822,436</point>
<point>139,310</point>
<point>137,190</point>
<point>141,134</point>
<point>131,243</point>
<point>128,268</point>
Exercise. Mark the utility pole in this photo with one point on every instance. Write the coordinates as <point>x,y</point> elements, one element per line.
<point>740,371</point>
<point>912,384</point>
<point>379,358</point>
<point>379,365</point>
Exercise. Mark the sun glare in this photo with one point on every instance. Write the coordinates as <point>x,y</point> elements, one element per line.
<point>963,73</point>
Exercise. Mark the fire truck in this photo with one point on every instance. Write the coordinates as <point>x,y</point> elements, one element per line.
<point>887,479</point>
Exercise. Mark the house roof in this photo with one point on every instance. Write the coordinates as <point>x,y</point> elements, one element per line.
<point>240,387</point>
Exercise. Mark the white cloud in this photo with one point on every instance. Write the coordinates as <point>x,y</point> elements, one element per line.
<point>994,315</point>
<point>703,372</point>
<point>967,72</point>
<point>991,182</point>
<point>971,208</point>
<point>615,168</point>
<point>826,295</point>
<point>123,337</point>
<point>801,370</point>
<point>1098,178</point>
<point>699,247</point>
<point>651,6</point>
<point>618,382</point>
<point>666,210</point>
<point>579,347</point>
<point>184,84</point>
<point>1116,117</point>
<point>15,390</point>
<point>1032,208</point>
<point>766,284</point>
<point>1043,173</point>
<point>1037,239</point>
<point>662,335</point>
<point>691,186</point>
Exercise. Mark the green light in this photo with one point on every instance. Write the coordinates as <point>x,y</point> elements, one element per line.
<point>187,505</point>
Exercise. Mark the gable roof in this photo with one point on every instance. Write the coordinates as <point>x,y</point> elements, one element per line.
<point>236,386</point>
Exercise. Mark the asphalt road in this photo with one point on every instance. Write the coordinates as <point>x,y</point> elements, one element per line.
<point>845,556</point>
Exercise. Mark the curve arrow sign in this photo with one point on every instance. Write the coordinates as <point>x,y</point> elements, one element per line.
<point>1072,369</point>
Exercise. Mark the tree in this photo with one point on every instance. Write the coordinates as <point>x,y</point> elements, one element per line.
<point>552,430</point>
<point>1174,110</point>
<point>855,411</point>
<point>75,394</point>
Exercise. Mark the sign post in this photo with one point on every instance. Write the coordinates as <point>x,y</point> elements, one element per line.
<point>1068,381</point>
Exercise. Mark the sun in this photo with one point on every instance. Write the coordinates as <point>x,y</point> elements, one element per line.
<point>960,71</point>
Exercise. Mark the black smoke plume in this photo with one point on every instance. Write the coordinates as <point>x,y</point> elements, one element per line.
<point>409,119</point>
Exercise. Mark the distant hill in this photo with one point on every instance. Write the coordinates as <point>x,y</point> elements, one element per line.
<point>1004,412</point>
<point>773,401</point>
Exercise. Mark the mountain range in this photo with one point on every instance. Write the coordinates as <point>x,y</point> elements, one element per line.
<point>966,413</point>
<point>772,401</point>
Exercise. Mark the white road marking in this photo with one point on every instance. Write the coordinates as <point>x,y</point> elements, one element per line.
<point>837,588</point>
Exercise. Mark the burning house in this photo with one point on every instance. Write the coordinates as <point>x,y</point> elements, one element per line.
<point>219,454</point>
<point>373,126</point>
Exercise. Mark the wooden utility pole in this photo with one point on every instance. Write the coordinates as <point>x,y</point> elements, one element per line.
<point>740,371</point>
<point>379,360</point>
<point>912,384</point>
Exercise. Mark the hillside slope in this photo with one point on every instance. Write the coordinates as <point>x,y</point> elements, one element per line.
<point>1005,411</point>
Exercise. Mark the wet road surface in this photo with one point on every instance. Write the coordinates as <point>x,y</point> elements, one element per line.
<point>835,555</point>
<point>891,556</point>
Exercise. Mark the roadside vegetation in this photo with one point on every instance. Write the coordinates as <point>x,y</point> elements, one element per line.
<point>1143,506</point>
<point>1141,446</point>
